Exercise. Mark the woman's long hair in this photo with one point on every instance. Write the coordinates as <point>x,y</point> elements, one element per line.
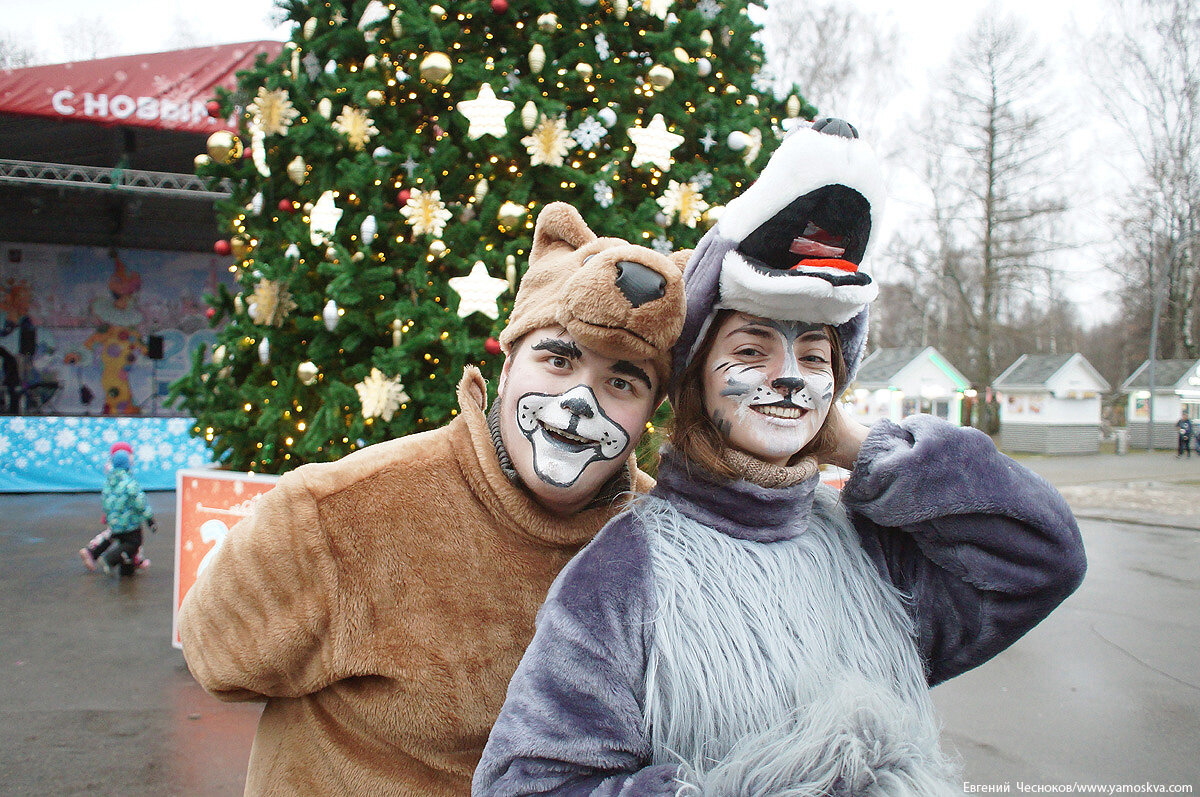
<point>694,435</point>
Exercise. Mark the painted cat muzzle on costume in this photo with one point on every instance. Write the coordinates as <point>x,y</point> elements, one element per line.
<point>568,432</point>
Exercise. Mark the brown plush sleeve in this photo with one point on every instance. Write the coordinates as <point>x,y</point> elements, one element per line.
<point>257,623</point>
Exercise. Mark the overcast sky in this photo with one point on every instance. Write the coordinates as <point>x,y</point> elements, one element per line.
<point>65,30</point>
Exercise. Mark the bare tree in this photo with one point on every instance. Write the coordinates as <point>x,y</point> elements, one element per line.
<point>1146,69</point>
<point>88,38</point>
<point>840,58</point>
<point>14,55</point>
<point>990,153</point>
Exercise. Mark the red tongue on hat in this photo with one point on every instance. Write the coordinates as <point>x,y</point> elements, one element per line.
<point>826,262</point>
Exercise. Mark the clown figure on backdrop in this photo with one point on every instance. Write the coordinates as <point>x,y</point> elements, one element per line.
<point>744,629</point>
<point>380,604</point>
<point>117,340</point>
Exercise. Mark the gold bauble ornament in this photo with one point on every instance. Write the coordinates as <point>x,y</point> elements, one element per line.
<point>308,372</point>
<point>241,246</point>
<point>793,106</point>
<point>548,22</point>
<point>357,257</point>
<point>537,58</point>
<point>297,170</point>
<point>201,161</point>
<point>370,62</point>
<point>437,11</point>
<point>437,248</point>
<point>731,89</point>
<point>509,215</point>
<point>583,70</point>
<point>375,97</point>
<point>682,55</point>
<point>330,254</point>
<point>436,68</point>
<point>707,38</point>
<point>224,147</point>
<point>661,76</point>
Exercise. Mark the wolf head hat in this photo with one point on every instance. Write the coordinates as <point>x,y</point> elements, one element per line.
<point>791,246</point>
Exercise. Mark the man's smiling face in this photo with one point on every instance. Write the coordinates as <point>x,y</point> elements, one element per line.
<point>569,416</point>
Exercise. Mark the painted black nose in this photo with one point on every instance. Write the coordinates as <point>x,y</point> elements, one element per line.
<point>639,283</point>
<point>577,406</point>
<point>835,127</point>
<point>788,384</point>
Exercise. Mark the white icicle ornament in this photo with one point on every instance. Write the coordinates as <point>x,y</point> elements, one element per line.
<point>332,314</point>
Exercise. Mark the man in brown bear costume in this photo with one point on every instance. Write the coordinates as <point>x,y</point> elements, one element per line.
<point>380,604</point>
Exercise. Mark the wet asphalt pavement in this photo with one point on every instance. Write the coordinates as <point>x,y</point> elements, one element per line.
<point>94,700</point>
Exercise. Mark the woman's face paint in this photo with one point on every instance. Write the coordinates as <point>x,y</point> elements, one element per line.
<point>569,416</point>
<point>768,385</point>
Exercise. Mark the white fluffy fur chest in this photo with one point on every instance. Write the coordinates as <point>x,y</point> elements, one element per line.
<point>756,642</point>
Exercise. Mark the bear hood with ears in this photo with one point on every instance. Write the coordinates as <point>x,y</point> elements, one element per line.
<point>616,298</point>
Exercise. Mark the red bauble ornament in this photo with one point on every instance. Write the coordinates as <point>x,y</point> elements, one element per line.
<point>247,152</point>
<point>491,345</point>
<point>222,247</point>
<point>286,205</point>
<point>499,6</point>
<point>213,107</point>
<point>403,196</point>
<point>210,312</point>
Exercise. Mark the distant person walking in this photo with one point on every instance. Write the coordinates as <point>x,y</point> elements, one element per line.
<point>1184,426</point>
<point>119,547</point>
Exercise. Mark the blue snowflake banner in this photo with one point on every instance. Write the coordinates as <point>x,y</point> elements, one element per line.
<point>59,455</point>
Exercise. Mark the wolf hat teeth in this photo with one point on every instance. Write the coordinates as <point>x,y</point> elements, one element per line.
<point>791,247</point>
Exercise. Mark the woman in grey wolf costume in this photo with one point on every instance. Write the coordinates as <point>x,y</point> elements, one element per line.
<point>749,632</point>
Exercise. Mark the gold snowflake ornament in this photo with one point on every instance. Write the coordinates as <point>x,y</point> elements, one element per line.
<point>426,212</point>
<point>380,396</point>
<point>272,111</point>
<point>684,199</point>
<point>356,125</point>
<point>548,142</point>
<point>271,303</point>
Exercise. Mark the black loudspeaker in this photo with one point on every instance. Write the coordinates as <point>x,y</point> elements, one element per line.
<point>154,347</point>
<point>27,341</point>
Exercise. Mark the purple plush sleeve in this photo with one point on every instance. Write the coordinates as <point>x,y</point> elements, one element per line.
<point>572,721</point>
<point>985,548</point>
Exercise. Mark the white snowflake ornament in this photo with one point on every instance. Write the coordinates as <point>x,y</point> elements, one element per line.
<point>653,143</point>
<point>380,396</point>
<point>478,292</point>
<point>603,194</point>
<point>486,113</point>
<point>589,132</point>
<point>356,125</point>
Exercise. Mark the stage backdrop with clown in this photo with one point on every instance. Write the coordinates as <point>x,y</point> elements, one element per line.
<point>98,316</point>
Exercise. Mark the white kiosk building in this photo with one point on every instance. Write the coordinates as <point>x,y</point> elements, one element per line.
<point>1050,404</point>
<point>1176,386</point>
<point>894,383</point>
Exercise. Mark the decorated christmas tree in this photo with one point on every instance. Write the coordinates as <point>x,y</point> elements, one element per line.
<point>387,170</point>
